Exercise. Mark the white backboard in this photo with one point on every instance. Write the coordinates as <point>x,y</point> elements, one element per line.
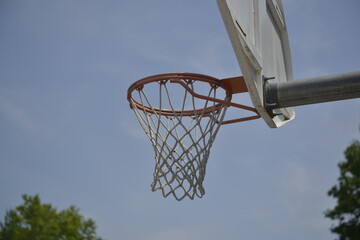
<point>258,34</point>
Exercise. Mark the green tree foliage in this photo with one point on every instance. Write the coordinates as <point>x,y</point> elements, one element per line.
<point>36,221</point>
<point>347,193</point>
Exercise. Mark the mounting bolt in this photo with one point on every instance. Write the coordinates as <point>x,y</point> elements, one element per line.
<point>268,78</point>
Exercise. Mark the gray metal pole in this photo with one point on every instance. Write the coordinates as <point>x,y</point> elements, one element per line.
<point>313,90</point>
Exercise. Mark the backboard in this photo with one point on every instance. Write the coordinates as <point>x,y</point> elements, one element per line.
<point>258,34</point>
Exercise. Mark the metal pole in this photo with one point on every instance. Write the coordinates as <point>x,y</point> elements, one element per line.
<point>313,90</point>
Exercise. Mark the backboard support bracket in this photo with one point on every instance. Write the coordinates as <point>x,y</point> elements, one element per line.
<point>270,106</point>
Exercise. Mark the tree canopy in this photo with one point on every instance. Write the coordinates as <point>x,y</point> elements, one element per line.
<point>35,220</point>
<point>347,193</point>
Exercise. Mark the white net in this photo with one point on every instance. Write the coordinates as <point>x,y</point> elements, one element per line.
<point>182,129</point>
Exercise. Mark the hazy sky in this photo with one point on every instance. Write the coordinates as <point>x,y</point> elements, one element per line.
<point>68,134</point>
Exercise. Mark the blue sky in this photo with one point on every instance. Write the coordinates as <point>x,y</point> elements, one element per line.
<point>68,134</point>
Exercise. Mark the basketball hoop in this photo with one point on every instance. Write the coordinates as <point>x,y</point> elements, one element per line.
<point>182,124</point>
